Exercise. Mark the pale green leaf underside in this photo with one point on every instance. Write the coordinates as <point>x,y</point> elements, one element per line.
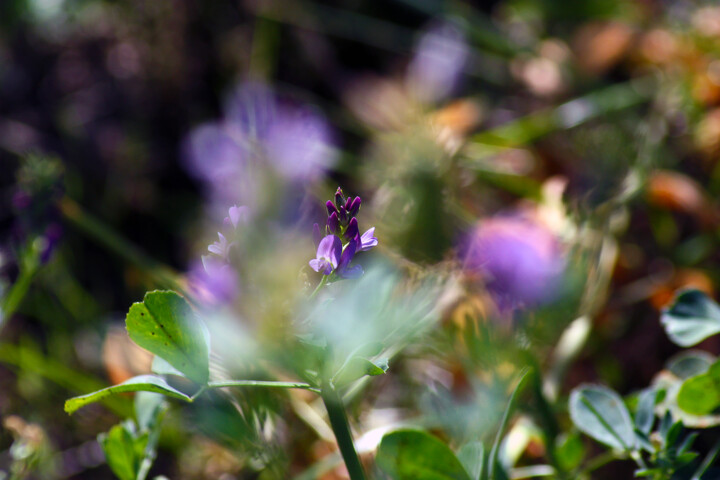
<point>142,383</point>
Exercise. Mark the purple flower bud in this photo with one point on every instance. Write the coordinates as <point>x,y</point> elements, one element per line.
<point>354,207</point>
<point>331,207</point>
<point>333,223</point>
<point>343,215</point>
<point>339,198</point>
<point>352,230</point>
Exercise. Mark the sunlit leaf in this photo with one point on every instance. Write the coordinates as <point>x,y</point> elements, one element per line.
<point>691,318</point>
<point>416,455</point>
<point>600,413</point>
<point>165,325</point>
<point>472,457</point>
<point>358,367</point>
<point>123,450</point>
<point>700,395</point>
<point>142,383</point>
<point>645,415</point>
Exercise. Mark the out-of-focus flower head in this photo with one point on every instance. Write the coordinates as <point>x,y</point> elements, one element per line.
<point>214,281</point>
<point>342,238</point>
<point>260,133</point>
<point>519,259</point>
<point>440,55</point>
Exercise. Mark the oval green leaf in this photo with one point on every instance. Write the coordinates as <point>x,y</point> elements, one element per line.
<point>700,395</point>
<point>165,325</point>
<point>600,413</point>
<point>691,318</point>
<point>417,455</point>
<point>142,383</point>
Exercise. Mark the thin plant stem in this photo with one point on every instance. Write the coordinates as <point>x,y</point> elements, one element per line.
<point>341,428</point>
<point>320,285</point>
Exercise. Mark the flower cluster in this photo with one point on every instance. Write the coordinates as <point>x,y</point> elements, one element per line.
<point>342,238</point>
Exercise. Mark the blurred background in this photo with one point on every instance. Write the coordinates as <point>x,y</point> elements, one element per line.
<point>540,160</point>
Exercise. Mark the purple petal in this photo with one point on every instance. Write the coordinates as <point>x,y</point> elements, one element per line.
<point>331,208</point>
<point>355,271</point>
<point>355,207</point>
<point>321,266</point>
<point>368,240</point>
<point>330,249</point>
<point>333,223</point>
<point>347,255</point>
<point>237,215</point>
<point>352,230</point>
<point>339,198</point>
<point>343,214</point>
<point>317,236</point>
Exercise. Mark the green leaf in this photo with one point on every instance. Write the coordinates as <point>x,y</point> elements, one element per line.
<point>691,318</point>
<point>165,325</point>
<point>147,407</point>
<point>600,413</point>
<point>472,457</point>
<point>494,469</point>
<point>700,395</point>
<point>690,363</point>
<point>161,367</point>
<point>570,451</point>
<point>142,383</point>
<point>645,415</point>
<point>123,450</point>
<point>417,455</point>
<point>358,367</point>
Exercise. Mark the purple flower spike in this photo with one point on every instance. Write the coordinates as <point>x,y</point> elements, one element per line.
<point>331,208</point>
<point>317,236</point>
<point>344,269</point>
<point>368,240</point>
<point>328,255</point>
<point>352,230</point>
<point>354,207</point>
<point>333,223</point>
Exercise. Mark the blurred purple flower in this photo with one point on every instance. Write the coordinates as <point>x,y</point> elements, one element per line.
<point>520,260</point>
<point>222,247</point>
<point>440,56</point>
<point>213,281</point>
<point>259,130</point>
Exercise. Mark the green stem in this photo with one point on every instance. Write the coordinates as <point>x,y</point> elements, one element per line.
<point>341,428</point>
<point>18,290</point>
<point>262,383</point>
<point>320,285</point>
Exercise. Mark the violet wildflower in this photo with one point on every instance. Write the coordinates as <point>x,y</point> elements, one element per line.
<point>237,215</point>
<point>440,56</point>
<point>337,249</point>
<point>520,260</point>
<point>221,247</point>
<point>260,131</point>
<point>213,281</point>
